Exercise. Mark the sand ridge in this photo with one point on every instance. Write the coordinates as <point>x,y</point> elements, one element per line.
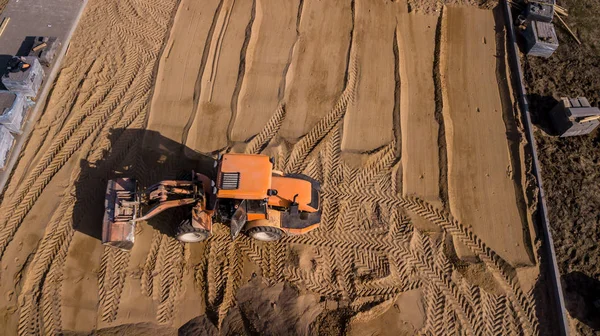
<point>480,180</point>
<point>267,56</point>
<point>368,123</point>
<point>316,75</point>
<point>419,127</point>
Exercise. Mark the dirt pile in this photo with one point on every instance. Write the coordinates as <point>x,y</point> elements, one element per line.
<point>394,138</point>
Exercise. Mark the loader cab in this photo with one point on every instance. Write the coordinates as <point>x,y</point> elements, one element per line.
<point>244,177</point>
<point>243,182</point>
<point>250,192</point>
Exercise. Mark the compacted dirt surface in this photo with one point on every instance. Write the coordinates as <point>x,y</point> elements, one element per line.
<point>400,109</point>
<point>571,166</point>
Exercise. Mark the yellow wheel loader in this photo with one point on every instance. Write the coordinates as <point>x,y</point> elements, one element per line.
<point>247,194</point>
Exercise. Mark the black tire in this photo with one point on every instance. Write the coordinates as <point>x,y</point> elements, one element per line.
<point>186,233</point>
<point>265,233</point>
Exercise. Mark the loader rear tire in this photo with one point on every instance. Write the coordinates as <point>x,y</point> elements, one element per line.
<point>265,233</point>
<point>186,233</point>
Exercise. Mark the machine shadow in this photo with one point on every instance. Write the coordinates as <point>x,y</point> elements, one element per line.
<point>582,298</point>
<point>144,155</point>
<point>540,107</point>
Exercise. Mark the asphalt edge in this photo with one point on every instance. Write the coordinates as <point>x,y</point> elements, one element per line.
<point>41,101</point>
<point>515,64</point>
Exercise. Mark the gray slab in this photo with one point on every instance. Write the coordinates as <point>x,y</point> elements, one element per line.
<point>582,112</point>
<point>574,102</point>
<point>583,102</point>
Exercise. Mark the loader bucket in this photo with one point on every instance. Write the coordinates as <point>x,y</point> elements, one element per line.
<point>120,209</point>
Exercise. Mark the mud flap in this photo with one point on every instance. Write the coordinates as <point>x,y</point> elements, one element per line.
<point>238,220</point>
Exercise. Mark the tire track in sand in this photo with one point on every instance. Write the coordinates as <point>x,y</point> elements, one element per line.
<point>494,312</point>
<point>522,303</point>
<point>376,163</point>
<point>296,162</point>
<point>150,264</point>
<point>113,271</point>
<point>170,278</point>
<point>103,101</point>
<point>51,301</point>
<point>92,116</point>
<point>331,175</point>
<point>267,133</point>
<point>234,279</point>
<point>58,235</point>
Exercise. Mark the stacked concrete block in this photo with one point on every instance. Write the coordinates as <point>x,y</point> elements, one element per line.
<point>45,49</point>
<point>574,116</point>
<point>13,109</point>
<point>6,143</point>
<point>26,82</point>
<point>540,39</point>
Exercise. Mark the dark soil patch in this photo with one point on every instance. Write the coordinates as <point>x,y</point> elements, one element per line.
<point>332,322</point>
<point>571,166</point>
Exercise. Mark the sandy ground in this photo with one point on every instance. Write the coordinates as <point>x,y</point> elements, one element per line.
<point>481,176</point>
<point>315,77</point>
<point>368,123</point>
<point>570,166</point>
<point>365,97</point>
<point>419,124</point>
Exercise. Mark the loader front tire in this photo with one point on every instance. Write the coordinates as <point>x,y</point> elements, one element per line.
<point>186,233</point>
<point>265,233</point>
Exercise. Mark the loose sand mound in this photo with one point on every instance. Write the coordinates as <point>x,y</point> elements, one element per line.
<point>365,97</point>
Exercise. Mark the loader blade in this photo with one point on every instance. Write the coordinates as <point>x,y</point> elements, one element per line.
<point>120,210</point>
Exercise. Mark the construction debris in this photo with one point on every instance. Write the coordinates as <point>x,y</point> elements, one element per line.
<point>568,29</point>
<point>574,116</point>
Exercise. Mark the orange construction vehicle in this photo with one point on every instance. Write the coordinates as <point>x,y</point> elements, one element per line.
<point>247,194</point>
